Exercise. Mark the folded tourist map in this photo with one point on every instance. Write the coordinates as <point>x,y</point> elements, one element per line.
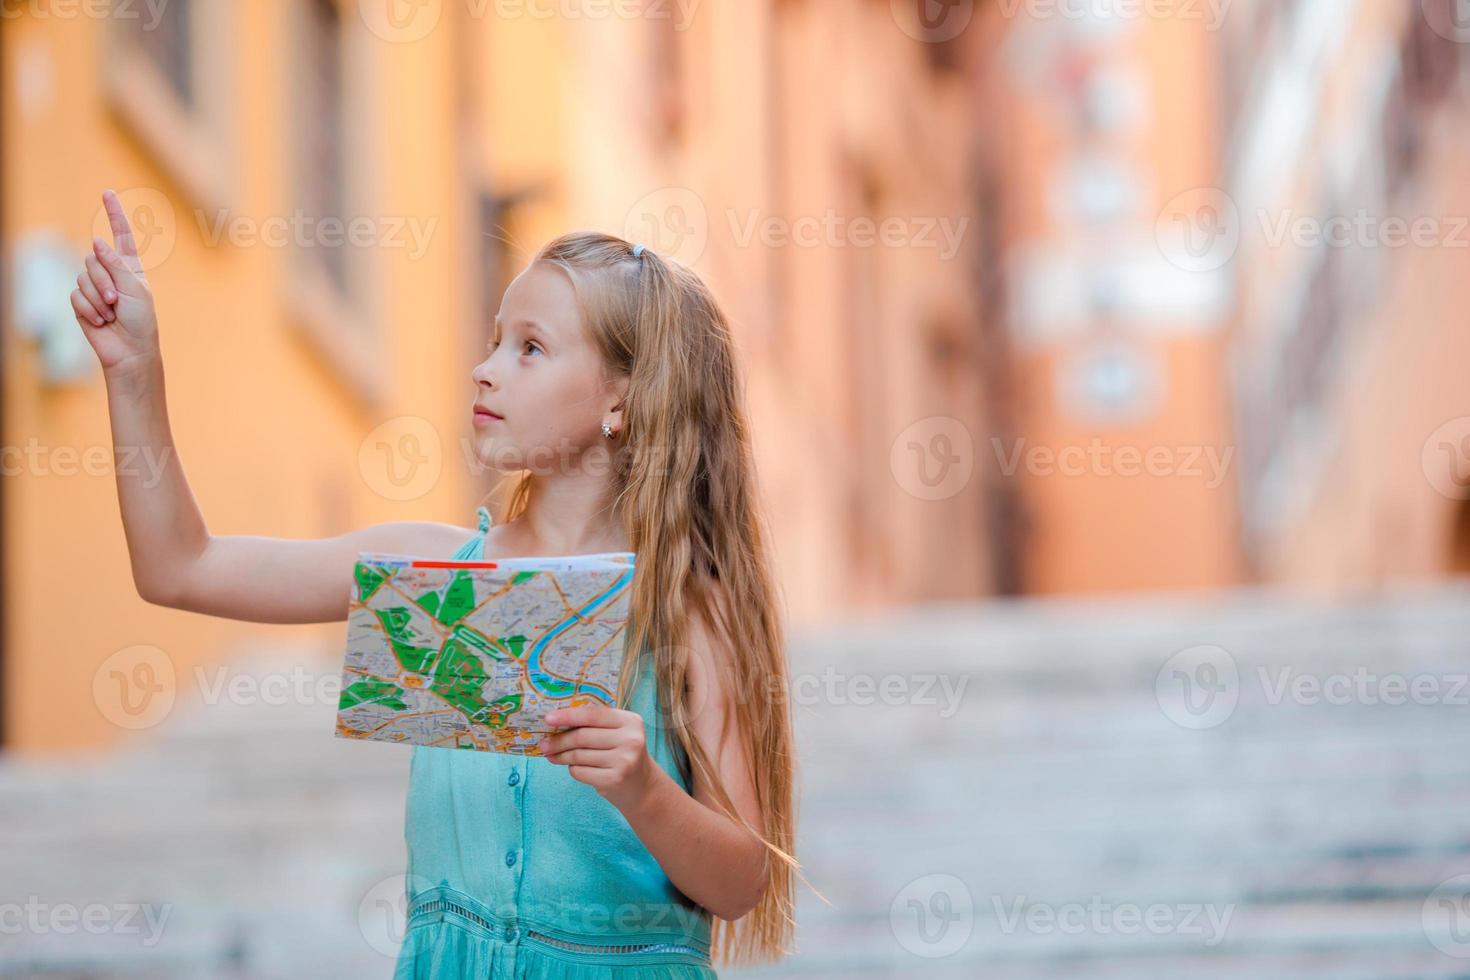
<point>473,654</point>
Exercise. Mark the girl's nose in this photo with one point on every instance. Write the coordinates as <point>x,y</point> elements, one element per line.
<point>482,375</point>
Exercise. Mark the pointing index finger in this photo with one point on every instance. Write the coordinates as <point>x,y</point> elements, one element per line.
<point>122,231</point>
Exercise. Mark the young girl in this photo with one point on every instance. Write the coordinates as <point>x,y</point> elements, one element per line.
<point>653,838</point>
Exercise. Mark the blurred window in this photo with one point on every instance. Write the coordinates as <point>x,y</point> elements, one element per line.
<point>323,177</point>
<point>669,82</point>
<point>167,75</point>
<point>334,290</point>
<point>493,260</point>
<point>164,38</point>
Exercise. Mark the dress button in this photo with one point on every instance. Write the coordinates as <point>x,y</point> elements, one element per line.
<point>510,858</point>
<point>510,932</point>
<point>515,777</point>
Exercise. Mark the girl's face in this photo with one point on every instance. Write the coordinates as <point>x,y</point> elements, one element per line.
<point>543,377</point>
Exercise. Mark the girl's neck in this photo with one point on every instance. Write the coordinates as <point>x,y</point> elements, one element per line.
<point>565,531</point>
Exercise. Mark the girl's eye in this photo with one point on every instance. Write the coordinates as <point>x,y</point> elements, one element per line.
<point>530,344</point>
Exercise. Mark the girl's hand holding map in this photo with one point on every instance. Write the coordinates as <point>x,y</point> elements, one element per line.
<point>605,749</point>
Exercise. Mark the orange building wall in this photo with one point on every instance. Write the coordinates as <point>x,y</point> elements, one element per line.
<point>567,124</point>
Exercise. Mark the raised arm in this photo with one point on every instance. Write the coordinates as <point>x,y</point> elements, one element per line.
<point>175,561</point>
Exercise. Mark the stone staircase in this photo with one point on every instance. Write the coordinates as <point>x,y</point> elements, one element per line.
<point>1009,789</point>
<point>1034,831</point>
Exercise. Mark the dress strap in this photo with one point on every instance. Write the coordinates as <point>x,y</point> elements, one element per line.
<point>484,515</point>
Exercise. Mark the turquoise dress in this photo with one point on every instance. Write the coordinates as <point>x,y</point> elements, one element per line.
<point>517,870</point>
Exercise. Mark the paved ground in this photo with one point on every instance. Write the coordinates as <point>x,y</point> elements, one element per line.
<point>1253,786</point>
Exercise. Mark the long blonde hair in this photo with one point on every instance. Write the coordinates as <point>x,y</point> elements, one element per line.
<point>685,486</point>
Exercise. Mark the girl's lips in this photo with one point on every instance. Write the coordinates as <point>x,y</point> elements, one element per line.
<point>481,417</point>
